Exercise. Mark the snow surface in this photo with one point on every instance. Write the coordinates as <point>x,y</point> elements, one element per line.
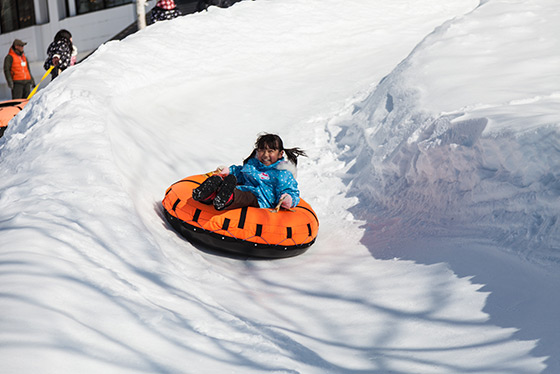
<point>433,134</point>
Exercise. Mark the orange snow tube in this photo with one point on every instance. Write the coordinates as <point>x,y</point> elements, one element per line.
<point>8,110</point>
<point>249,231</point>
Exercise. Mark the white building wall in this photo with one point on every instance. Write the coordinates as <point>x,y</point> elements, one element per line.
<point>89,31</point>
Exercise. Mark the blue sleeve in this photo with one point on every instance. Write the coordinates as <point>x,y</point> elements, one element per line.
<point>236,170</point>
<point>288,184</point>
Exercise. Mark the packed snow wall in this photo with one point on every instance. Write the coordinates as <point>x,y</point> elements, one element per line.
<point>447,143</point>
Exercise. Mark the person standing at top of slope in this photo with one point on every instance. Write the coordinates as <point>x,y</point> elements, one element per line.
<point>164,10</point>
<point>59,53</point>
<point>17,72</point>
<point>264,180</point>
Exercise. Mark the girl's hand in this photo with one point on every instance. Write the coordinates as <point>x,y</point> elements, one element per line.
<point>286,201</point>
<point>224,171</point>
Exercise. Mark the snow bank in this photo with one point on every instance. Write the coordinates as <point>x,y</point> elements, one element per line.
<point>445,143</point>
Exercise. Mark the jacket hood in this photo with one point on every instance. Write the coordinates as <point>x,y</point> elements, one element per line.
<point>287,165</point>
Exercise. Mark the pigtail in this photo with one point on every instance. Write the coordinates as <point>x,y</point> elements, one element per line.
<point>293,153</point>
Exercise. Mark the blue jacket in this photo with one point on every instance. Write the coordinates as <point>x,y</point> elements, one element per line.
<point>267,183</point>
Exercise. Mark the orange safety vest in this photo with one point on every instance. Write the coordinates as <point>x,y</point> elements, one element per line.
<point>20,68</point>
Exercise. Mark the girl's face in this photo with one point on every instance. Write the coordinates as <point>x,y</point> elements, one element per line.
<point>269,156</point>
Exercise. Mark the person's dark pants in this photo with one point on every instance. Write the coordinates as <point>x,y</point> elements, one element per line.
<point>55,73</point>
<point>223,194</point>
<point>242,199</point>
<point>21,89</point>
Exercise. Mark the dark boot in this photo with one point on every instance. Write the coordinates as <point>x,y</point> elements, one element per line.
<point>206,192</point>
<point>224,198</point>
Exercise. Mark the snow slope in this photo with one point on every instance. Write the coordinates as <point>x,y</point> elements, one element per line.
<point>434,175</point>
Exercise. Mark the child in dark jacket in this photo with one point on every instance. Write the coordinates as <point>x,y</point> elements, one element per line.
<point>264,180</point>
<point>164,10</point>
<point>59,53</point>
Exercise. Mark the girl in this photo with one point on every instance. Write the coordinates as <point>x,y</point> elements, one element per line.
<point>263,181</point>
<point>59,53</point>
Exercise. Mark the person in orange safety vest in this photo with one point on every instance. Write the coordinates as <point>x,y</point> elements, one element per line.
<point>17,72</point>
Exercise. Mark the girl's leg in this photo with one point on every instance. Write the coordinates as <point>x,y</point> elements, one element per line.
<point>206,192</point>
<point>224,197</point>
<point>229,197</point>
<point>242,199</point>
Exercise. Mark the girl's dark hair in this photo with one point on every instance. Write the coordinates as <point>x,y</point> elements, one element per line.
<point>273,141</point>
<point>63,34</point>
